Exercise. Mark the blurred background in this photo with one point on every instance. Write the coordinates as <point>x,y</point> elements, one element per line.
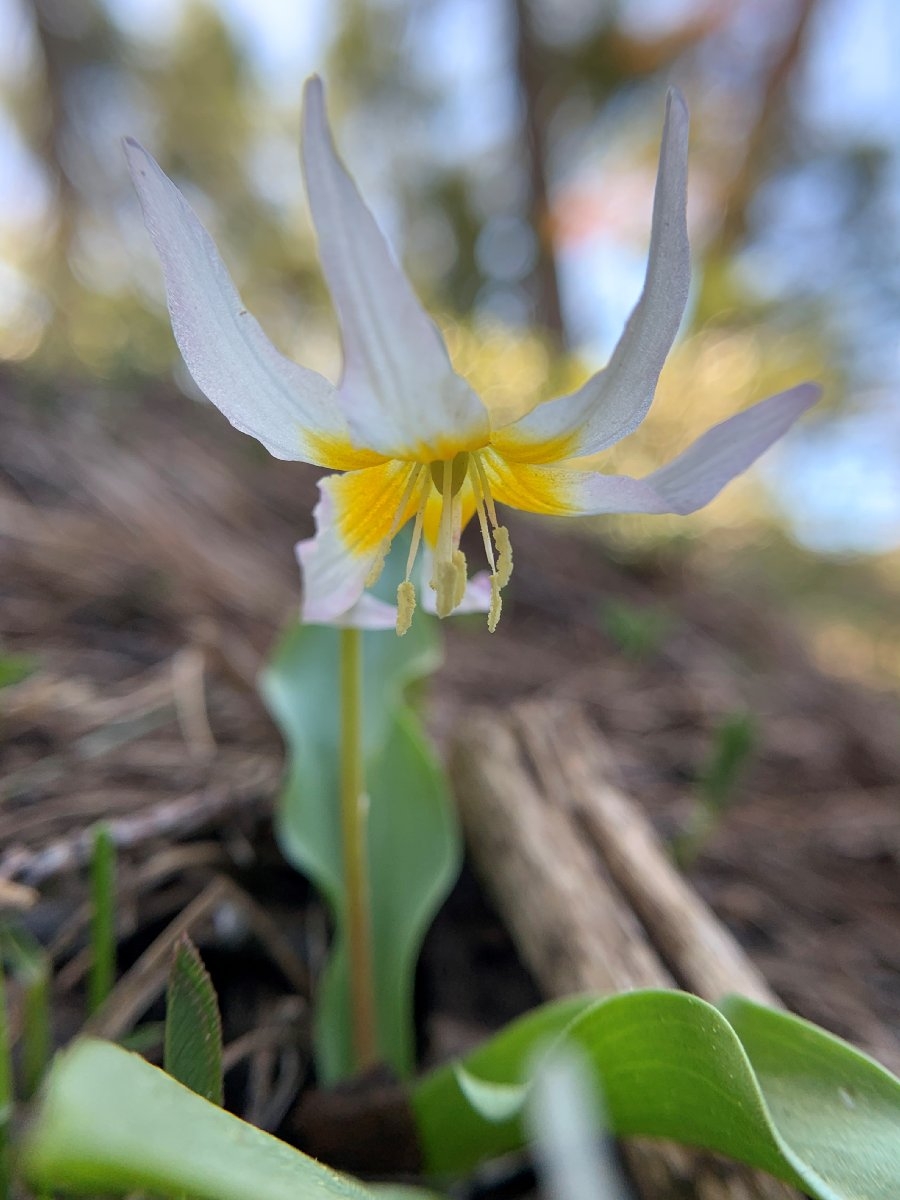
<point>508,148</point>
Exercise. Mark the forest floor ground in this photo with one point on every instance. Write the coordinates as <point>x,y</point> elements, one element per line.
<point>147,565</point>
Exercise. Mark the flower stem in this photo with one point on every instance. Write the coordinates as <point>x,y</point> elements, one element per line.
<point>353,837</point>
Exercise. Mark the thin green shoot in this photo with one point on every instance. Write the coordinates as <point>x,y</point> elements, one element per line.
<point>6,1093</point>
<point>15,667</point>
<point>733,745</point>
<point>32,972</point>
<point>36,1030</point>
<point>637,631</point>
<point>103,918</point>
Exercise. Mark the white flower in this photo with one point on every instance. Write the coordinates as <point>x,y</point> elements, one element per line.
<point>411,438</point>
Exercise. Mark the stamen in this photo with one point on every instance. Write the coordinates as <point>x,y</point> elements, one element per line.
<point>378,565</point>
<point>444,578</point>
<point>449,575</point>
<point>445,587</point>
<point>406,606</point>
<point>445,535</point>
<point>417,528</point>
<point>504,554</point>
<point>485,489</point>
<point>482,520</point>
<point>502,565</point>
<point>496,603</point>
<point>399,517</point>
<point>461,577</point>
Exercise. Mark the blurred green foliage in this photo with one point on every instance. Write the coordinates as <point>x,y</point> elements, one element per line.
<point>638,632</point>
<point>733,745</point>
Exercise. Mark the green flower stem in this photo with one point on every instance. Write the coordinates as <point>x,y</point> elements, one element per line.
<point>353,837</point>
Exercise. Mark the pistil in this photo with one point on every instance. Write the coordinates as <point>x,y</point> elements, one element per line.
<point>450,572</point>
<point>449,578</point>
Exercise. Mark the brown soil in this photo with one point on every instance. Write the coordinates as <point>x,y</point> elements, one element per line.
<point>146,565</point>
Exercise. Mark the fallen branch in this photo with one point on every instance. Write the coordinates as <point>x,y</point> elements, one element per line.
<point>591,898</point>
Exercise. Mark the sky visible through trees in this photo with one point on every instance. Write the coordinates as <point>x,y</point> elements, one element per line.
<point>508,149</point>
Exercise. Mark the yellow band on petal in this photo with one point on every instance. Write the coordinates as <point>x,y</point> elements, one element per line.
<point>337,453</point>
<point>370,506</point>
<point>518,447</point>
<point>530,487</point>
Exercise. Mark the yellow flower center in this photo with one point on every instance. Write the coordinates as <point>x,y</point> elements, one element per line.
<point>446,478</point>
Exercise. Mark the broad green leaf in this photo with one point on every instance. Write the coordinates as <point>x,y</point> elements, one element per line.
<point>770,1090</point>
<point>819,1090</point>
<point>109,1122</point>
<point>193,1042</point>
<point>414,844</point>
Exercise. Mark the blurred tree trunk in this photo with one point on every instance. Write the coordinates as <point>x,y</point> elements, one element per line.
<point>535,119</point>
<point>767,129</point>
<point>78,47</point>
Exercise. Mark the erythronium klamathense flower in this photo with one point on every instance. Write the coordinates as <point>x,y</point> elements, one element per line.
<point>412,440</point>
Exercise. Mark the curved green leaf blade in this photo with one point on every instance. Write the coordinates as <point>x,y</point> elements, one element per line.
<point>456,1131</point>
<point>109,1122</point>
<point>413,836</point>
<point>672,1066</point>
<point>818,1088</point>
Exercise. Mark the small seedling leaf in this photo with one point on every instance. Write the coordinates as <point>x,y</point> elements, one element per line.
<point>193,1041</point>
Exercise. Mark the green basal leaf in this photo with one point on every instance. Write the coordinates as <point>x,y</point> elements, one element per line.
<point>414,844</point>
<point>768,1090</point>
<point>193,1041</point>
<point>108,1122</point>
<point>831,1103</point>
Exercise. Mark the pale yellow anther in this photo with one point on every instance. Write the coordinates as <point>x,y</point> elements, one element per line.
<point>462,575</point>
<point>504,554</point>
<point>378,565</point>
<point>445,585</point>
<point>496,603</point>
<point>406,606</point>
